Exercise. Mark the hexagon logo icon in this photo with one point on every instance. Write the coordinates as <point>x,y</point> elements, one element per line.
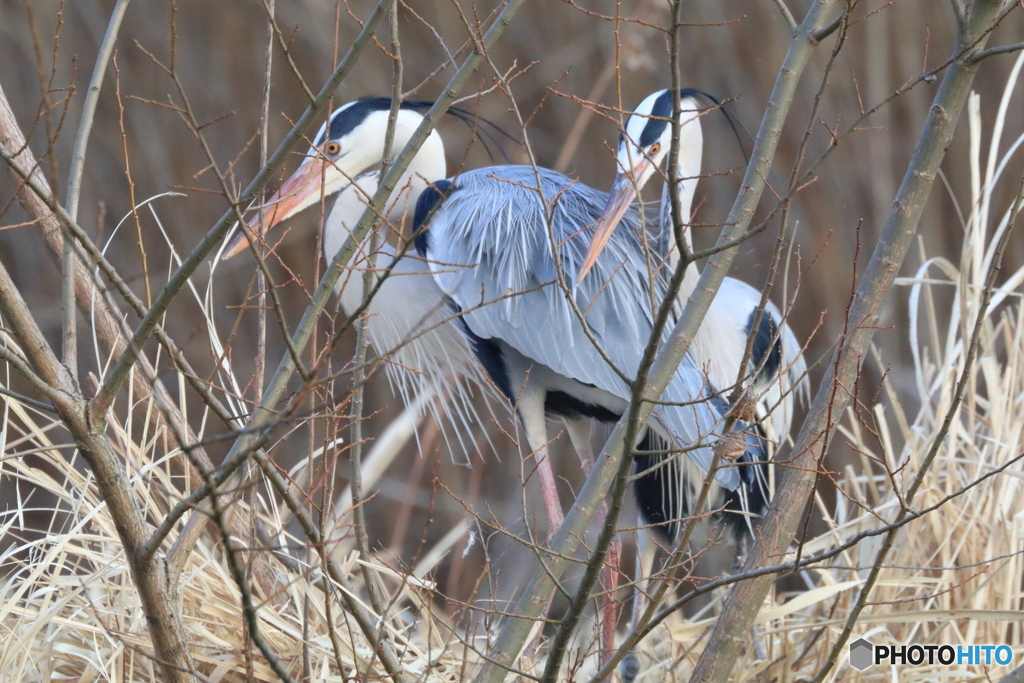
<point>862,654</point>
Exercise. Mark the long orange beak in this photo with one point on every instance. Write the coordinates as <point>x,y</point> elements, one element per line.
<point>622,195</point>
<point>299,191</point>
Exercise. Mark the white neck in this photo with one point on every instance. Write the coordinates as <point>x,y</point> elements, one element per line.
<point>426,167</point>
<point>691,149</point>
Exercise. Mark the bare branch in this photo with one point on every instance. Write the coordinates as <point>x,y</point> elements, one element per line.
<point>23,368</point>
<point>24,399</point>
<point>787,15</point>
<point>92,96</point>
<point>1001,50</point>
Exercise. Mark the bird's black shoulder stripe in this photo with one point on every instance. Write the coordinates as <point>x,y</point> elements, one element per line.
<point>428,201</point>
<point>766,353</point>
<point>489,353</point>
<point>567,405</point>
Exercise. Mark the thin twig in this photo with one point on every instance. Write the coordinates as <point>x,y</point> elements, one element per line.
<point>92,96</point>
<point>787,15</point>
<point>1001,50</point>
<point>22,367</point>
<point>25,399</point>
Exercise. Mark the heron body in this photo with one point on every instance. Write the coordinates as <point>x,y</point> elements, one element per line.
<point>497,241</point>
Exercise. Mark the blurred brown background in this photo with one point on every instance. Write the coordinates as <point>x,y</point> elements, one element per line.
<point>732,49</point>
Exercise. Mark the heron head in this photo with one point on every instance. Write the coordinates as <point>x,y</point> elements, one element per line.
<point>643,147</point>
<point>347,145</point>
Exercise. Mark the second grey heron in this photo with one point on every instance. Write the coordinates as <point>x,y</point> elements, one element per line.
<point>773,372</point>
<point>775,369</point>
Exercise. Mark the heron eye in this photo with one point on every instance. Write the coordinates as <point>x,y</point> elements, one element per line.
<point>332,147</point>
<point>654,149</point>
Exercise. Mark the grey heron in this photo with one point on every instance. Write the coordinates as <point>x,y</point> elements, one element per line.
<point>775,369</point>
<point>407,316</point>
<point>505,244</point>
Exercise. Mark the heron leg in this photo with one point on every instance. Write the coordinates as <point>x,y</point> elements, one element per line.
<point>609,583</point>
<point>579,434</point>
<point>531,412</point>
<point>630,666</point>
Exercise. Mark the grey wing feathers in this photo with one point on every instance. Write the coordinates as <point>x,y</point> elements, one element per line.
<point>491,251</point>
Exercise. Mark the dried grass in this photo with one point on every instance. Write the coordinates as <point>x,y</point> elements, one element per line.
<point>69,611</point>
